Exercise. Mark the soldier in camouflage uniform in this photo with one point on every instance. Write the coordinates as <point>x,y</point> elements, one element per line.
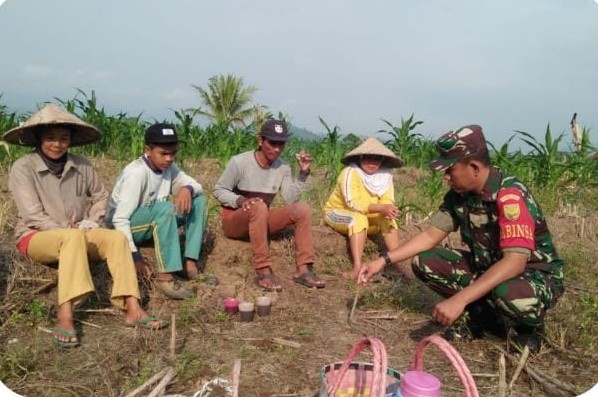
<point>511,268</point>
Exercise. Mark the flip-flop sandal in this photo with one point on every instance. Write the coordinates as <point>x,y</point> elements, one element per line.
<point>145,323</point>
<point>309,279</point>
<point>63,332</point>
<point>274,284</point>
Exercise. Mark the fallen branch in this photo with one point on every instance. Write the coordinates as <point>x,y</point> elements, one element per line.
<point>88,324</point>
<point>551,385</point>
<point>379,316</point>
<point>148,382</point>
<point>278,341</point>
<point>375,324</point>
<point>41,280</point>
<point>43,329</point>
<point>44,287</point>
<point>108,311</point>
<point>285,342</point>
<point>160,387</point>
<point>483,375</point>
<point>522,361</point>
<point>422,322</point>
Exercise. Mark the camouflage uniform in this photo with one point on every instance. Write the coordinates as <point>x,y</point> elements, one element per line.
<point>505,217</point>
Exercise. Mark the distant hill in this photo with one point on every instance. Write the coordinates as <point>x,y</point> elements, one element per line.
<point>303,133</point>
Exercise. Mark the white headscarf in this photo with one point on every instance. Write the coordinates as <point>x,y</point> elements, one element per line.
<point>377,183</point>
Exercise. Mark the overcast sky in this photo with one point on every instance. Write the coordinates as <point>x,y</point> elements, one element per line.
<point>505,64</point>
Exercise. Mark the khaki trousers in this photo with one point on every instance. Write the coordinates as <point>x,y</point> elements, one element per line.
<point>73,249</point>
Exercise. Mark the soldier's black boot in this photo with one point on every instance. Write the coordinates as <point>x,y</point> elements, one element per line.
<point>531,337</point>
<point>479,318</point>
<point>488,318</point>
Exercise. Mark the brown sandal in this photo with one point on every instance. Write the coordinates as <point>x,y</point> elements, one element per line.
<point>309,279</point>
<point>268,281</point>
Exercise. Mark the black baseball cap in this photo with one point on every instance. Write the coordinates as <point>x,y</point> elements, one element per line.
<point>161,133</point>
<point>274,130</point>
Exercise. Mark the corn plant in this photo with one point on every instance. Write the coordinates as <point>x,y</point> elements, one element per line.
<point>330,152</point>
<point>404,140</point>
<point>190,135</point>
<point>501,157</point>
<point>122,135</point>
<point>8,121</point>
<point>411,146</point>
<point>546,163</point>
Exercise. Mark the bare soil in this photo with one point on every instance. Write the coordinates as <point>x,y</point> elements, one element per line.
<point>281,354</point>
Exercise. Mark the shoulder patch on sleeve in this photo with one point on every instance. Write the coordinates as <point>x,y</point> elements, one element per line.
<point>512,211</point>
<point>509,197</point>
<point>517,227</point>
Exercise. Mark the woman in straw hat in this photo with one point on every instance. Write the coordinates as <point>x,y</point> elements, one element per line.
<point>51,189</point>
<point>362,201</point>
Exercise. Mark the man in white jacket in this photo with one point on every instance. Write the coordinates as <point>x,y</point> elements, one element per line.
<point>152,197</point>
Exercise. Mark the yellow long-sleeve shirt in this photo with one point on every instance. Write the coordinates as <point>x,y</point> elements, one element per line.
<point>351,194</point>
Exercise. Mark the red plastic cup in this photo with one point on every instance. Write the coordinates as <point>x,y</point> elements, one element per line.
<point>231,305</point>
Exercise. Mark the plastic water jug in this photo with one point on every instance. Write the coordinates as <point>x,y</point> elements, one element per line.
<point>419,384</point>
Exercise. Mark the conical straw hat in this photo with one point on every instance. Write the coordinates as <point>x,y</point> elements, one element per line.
<point>373,147</point>
<point>53,115</point>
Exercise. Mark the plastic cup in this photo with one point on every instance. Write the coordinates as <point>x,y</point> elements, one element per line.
<point>246,310</point>
<point>420,384</point>
<point>231,305</point>
<point>263,303</point>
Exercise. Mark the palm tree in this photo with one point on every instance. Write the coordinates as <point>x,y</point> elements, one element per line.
<point>227,101</point>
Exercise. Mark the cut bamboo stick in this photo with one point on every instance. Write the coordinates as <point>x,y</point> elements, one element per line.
<point>173,336</point>
<point>502,376</point>
<point>236,377</point>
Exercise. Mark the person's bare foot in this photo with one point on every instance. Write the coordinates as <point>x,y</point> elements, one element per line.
<point>64,331</point>
<point>135,315</point>
<point>266,279</point>
<point>305,275</point>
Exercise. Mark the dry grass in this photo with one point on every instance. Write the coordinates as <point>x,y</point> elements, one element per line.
<point>113,360</point>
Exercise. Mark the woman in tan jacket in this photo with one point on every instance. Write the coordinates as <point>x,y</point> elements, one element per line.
<point>51,189</point>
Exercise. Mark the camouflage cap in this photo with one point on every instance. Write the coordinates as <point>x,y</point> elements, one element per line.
<point>454,145</point>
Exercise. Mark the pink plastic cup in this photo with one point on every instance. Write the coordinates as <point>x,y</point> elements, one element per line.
<point>231,305</point>
<point>420,384</point>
